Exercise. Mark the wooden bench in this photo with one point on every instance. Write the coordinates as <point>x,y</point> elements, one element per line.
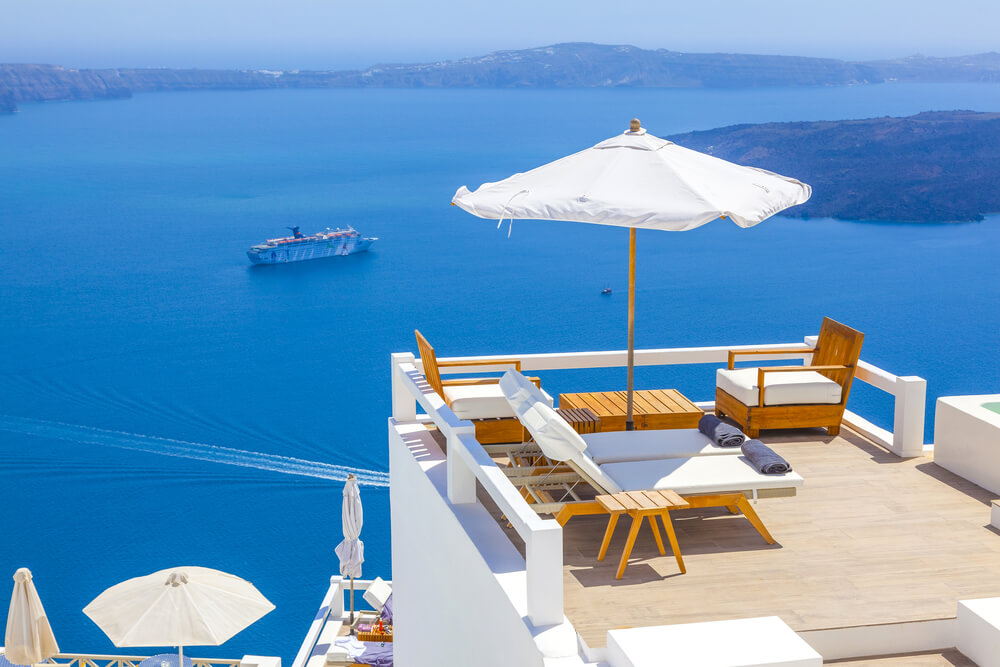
<point>641,505</point>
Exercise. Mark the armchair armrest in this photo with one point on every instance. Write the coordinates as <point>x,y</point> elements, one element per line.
<point>469,381</point>
<point>790,369</point>
<point>733,353</point>
<point>516,363</point>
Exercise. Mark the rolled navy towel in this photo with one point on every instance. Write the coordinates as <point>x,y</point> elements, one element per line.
<point>764,459</point>
<point>721,433</point>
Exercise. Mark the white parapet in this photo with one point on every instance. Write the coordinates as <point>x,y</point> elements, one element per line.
<point>967,439</point>
<point>260,661</point>
<point>979,631</point>
<point>748,642</point>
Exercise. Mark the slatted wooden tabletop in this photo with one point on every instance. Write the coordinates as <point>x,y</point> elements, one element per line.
<point>652,408</point>
<point>641,500</point>
<point>581,419</point>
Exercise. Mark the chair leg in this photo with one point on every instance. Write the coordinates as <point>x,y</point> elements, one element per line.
<point>751,515</point>
<point>833,430</point>
<point>668,524</point>
<point>612,522</point>
<point>656,533</point>
<point>629,543</point>
<point>752,431</point>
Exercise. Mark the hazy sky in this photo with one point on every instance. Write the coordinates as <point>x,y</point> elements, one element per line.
<point>330,34</point>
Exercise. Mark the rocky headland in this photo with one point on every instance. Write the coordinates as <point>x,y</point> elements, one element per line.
<point>932,167</point>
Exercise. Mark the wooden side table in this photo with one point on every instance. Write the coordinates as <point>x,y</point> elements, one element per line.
<point>652,408</point>
<point>583,420</point>
<point>640,505</point>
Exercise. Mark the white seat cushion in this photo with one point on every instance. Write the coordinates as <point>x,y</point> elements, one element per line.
<point>618,446</point>
<point>702,474</point>
<point>791,388</point>
<point>477,401</point>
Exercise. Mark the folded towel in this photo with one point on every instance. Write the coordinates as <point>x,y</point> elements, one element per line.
<point>764,459</point>
<point>720,432</point>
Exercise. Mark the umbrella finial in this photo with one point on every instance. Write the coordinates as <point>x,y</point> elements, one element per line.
<point>634,125</point>
<point>176,578</point>
<point>22,575</point>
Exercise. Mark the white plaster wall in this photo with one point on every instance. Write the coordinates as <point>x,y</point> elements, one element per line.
<point>979,631</point>
<point>967,439</point>
<point>458,582</point>
<point>873,640</point>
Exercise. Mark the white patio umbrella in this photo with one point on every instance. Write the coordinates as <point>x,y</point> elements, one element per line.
<point>179,606</point>
<point>351,551</point>
<point>636,180</point>
<point>29,637</point>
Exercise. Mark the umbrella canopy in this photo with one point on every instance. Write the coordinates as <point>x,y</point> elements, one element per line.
<point>351,551</point>
<point>181,606</point>
<point>28,638</point>
<point>640,181</point>
<point>636,180</point>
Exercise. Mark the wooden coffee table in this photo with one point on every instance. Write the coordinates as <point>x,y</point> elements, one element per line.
<point>652,408</point>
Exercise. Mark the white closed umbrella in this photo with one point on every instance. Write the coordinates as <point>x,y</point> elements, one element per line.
<point>636,180</point>
<point>351,551</point>
<point>180,606</point>
<point>28,638</point>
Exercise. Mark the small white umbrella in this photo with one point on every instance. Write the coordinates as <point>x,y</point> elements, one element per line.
<point>351,551</point>
<point>29,637</point>
<point>636,180</point>
<point>180,606</point>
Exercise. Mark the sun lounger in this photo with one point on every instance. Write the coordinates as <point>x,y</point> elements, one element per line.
<point>706,481</point>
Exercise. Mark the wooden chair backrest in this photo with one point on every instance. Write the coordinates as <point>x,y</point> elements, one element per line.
<point>840,345</point>
<point>429,360</point>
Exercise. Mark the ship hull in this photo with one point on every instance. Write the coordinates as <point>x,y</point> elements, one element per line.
<point>307,251</point>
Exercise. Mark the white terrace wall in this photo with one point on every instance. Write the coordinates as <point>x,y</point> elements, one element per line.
<point>458,582</point>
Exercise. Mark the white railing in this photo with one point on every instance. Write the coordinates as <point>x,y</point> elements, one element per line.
<point>333,607</point>
<point>468,462</point>
<point>909,392</point>
<point>97,660</point>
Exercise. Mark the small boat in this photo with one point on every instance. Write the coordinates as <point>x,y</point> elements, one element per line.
<point>606,290</point>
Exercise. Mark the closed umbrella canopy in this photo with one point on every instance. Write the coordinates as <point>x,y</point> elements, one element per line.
<point>638,181</point>
<point>181,606</point>
<point>351,551</point>
<point>29,637</point>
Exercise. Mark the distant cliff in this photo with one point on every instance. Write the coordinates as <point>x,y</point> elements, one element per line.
<point>935,166</point>
<point>577,65</point>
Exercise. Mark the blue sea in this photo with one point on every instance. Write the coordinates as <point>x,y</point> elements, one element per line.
<point>164,403</point>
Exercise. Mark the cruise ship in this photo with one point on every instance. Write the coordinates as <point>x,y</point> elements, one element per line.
<point>298,247</point>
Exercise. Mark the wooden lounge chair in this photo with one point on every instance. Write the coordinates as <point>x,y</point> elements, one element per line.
<point>479,400</point>
<point>792,396</point>
<point>702,481</point>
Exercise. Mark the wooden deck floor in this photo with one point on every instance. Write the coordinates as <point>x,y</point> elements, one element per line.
<point>869,539</point>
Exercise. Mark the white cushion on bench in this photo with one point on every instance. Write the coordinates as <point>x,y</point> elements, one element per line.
<point>791,388</point>
<point>477,401</point>
<point>702,474</point>
<point>618,446</point>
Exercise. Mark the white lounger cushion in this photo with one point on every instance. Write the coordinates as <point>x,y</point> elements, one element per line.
<point>703,474</point>
<point>792,388</point>
<point>477,401</point>
<point>556,438</point>
<point>619,446</point>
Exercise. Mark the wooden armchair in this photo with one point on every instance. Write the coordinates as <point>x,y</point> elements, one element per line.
<point>792,396</point>
<point>479,400</point>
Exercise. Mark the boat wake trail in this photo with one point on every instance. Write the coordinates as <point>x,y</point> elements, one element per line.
<point>189,450</point>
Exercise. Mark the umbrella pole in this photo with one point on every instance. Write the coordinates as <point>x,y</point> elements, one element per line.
<point>180,656</point>
<point>352,601</point>
<point>629,426</point>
